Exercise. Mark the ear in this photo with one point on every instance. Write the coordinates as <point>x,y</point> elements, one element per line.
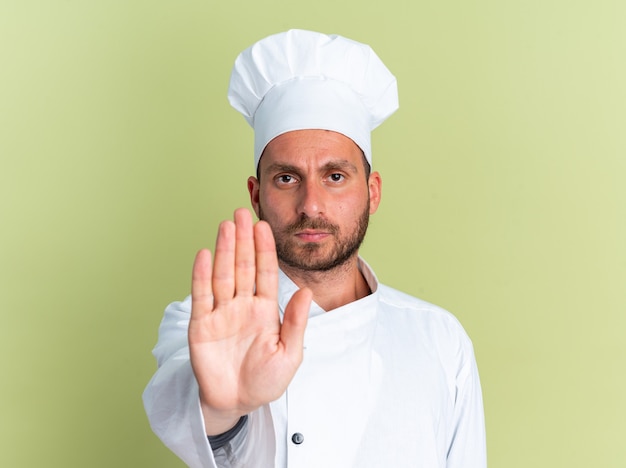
<point>375,186</point>
<point>253,190</point>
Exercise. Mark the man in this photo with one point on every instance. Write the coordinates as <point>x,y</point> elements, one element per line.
<point>289,353</point>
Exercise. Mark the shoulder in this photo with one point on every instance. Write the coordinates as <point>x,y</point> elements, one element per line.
<point>428,320</point>
<point>400,301</point>
<point>173,330</point>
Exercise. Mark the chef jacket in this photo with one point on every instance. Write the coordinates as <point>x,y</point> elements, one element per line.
<point>386,381</point>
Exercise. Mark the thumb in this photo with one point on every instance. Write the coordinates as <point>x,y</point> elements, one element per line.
<point>294,322</point>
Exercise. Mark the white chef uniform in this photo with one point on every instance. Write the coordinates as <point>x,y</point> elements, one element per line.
<point>386,381</point>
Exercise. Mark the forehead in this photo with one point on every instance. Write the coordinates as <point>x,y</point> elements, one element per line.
<point>310,147</point>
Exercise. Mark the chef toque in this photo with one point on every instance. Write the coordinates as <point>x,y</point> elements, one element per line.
<point>300,80</point>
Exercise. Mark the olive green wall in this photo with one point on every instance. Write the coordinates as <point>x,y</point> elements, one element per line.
<point>504,201</point>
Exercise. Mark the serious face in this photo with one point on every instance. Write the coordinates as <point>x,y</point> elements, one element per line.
<point>314,192</point>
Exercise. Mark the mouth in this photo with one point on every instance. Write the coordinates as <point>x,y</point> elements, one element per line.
<point>310,235</point>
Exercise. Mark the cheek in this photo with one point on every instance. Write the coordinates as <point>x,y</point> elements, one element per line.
<point>275,205</point>
<point>352,206</point>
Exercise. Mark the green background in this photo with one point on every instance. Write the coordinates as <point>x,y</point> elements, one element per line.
<point>504,201</point>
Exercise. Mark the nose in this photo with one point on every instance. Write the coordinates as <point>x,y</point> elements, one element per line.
<point>312,199</point>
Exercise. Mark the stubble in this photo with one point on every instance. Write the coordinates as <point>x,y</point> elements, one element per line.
<point>311,256</point>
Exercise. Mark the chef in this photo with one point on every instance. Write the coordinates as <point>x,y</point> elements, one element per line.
<point>289,352</point>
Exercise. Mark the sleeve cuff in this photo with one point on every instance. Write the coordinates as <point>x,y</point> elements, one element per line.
<point>218,441</point>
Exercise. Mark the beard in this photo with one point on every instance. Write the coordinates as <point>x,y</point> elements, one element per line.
<point>312,256</point>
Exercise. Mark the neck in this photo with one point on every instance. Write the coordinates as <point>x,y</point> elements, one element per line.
<point>334,288</point>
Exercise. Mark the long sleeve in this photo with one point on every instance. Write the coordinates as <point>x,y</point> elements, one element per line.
<point>173,406</point>
<point>171,398</point>
<point>467,446</point>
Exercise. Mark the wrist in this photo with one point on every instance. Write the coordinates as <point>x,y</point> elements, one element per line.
<point>217,422</point>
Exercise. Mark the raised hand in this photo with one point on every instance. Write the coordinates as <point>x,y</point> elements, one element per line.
<point>241,355</point>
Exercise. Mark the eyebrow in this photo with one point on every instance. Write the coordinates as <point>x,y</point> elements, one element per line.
<point>340,164</point>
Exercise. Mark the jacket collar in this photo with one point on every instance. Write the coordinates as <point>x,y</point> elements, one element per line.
<point>287,288</point>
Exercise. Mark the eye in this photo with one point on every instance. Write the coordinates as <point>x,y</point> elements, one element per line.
<point>336,177</point>
<point>285,179</point>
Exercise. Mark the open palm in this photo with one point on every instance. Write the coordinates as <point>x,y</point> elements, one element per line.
<point>241,354</point>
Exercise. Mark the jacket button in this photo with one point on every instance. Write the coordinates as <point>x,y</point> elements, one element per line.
<point>297,438</point>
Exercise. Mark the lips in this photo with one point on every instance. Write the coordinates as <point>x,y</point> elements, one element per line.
<point>312,235</point>
<point>311,230</point>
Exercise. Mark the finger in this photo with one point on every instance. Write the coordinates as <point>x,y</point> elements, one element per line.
<point>224,263</point>
<point>201,290</point>
<point>244,253</point>
<point>266,261</point>
<point>294,323</point>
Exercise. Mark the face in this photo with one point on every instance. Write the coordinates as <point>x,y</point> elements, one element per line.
<point>314,193</point>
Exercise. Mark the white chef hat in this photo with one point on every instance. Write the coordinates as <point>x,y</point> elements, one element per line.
<point>300,80</point>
